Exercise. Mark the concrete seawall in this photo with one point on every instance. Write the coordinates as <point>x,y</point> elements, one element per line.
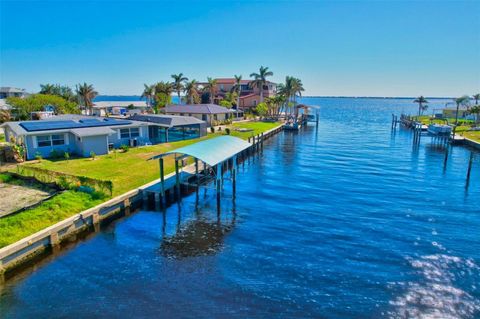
<point>27,248</point>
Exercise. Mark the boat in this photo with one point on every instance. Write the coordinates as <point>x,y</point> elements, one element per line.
<point>439,129</point>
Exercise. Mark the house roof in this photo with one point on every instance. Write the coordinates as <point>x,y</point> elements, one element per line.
<point>166,120</point>
<point>231,81</point>
<point>8,89</point>
<point>92,131</point>
<point>104,104</point>
<point>212,151</point>
<point>68,123</point>
<point>248,95</point>
<point>197,109</point>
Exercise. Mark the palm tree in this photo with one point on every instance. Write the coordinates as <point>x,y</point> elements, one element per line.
<point>476,97</point>
<point>178,80</point>
<point>476,110</point>
<point>237,87</point>
<point>211,87</point>
<point>297,88</point>
<point>86,94</point>
<point>288,91</point>
<point>260,80</point>
<point>460,101</point>
<point>148,93</point>
<point>47,89</point>
<point>191,91</point>
<point>421,101</point>
<point>163,94</point>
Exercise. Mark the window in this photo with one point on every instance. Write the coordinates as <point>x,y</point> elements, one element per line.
<point>129,132</point>
<point>125,133</point>
<point>58,139</point>
<point>43,141</point>
<point>134,132</point>
<point>50,140</point>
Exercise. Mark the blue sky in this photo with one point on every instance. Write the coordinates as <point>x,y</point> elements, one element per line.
<point>353,48</point>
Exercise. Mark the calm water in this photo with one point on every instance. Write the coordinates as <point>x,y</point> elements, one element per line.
<point>347,221</point>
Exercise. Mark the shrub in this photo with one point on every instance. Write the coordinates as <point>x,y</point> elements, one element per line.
<point>5,178</point>
<point>63,183</point>
<point>66,155</point>
<point>38,156</point>
<point>227,130</point>
<point>212,129</point>
<point>93,155</point>
<point>124,148</point>
<point>55,154</point>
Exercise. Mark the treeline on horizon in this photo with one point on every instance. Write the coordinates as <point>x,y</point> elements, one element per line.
<point>63,99</point>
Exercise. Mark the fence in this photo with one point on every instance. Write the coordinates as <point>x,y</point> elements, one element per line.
<point>65,181</point>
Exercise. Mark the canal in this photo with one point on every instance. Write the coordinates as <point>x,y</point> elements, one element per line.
<point>350,220</point>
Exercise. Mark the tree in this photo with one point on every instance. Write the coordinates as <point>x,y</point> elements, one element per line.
<point>163,95</point>
<point>460,101</point>
<point>476,97</point>
<point>59,90</point>
<point>148,93</point>
<point>36,102</point>
<point>237,88</point>
<point>4,116</point>
<point>289,90</point>
<point>211,87</point>
<point>261,109</point>
<point>476,110</point>
<point>47,89</point>
<point>191,91</point>
<point>226,103</point>
<point>178,80</point>
<point>260,79</point>
<point>86,94</point>
<point>421,104</point>
<point>297,88</point>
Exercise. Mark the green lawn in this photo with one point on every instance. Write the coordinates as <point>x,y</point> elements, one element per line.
<point>473,135</point>
<point>2,138</point>
<point>257,127</point>
<point>426,119</point>
<point>131,169</point>
<point>66,204</point>
<point>126,170</point>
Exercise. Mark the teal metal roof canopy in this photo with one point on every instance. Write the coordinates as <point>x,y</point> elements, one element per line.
<point>212,151</point>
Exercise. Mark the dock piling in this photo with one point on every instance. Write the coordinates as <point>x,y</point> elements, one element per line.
<point>469,170</point>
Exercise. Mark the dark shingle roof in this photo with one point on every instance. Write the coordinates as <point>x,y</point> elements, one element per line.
<point>197,109</point>
<point>166,120</point>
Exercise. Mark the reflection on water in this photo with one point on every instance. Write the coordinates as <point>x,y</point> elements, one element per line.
<point>347,221</point>
<point>436,296</point>
<point>199,236</point>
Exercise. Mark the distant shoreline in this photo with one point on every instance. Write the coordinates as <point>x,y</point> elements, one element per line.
<point>138,97</point>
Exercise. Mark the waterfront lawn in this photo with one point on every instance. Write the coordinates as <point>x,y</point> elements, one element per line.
<point>131,169</point>
<point>2,138</point>
<point>426,119</point>
<point>257,127</point>
<point>127,171</point>
<point>473,135</point>
<point>17,226</point>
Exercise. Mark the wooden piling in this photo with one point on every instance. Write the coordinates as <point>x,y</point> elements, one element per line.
<point>469,170</point>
